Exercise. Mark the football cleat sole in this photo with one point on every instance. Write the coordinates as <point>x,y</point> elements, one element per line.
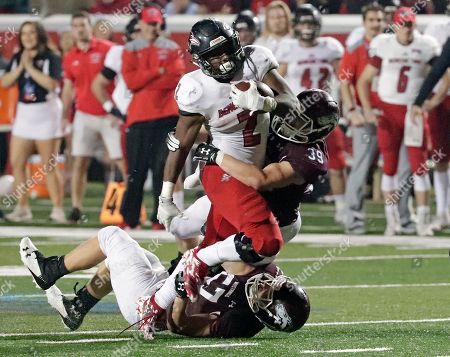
<point>29,254</point>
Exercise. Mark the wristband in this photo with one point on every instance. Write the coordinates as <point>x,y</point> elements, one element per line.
<point>107,106</point>
<point>167,189</point>
<point>219,157</point>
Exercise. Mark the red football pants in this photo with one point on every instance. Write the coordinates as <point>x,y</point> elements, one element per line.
<point>390,137</point>
<point>236,208</point>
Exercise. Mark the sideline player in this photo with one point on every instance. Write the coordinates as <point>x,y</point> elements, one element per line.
<point>238,125</point>
<point>240,292</point>
<point>310,61</point>
<point>403,57</point>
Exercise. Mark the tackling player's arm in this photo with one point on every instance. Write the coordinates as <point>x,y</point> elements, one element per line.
<point>363,86</point>
<point>189,325</point>
<point>284,96</point>
<point>274,175</point>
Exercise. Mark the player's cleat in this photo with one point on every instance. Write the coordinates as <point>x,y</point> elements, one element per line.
<point>58,215</point>
<point>194,272</point>
<point>408,228</point>
<point>70,310</point>
<point>19,214</point>
<point>158,226</point>
<point>424,230</point>
<point>149,313</point>
<point>74,216</point>
<point>45,271</point>
<point>440,222</point>
<point>357,227</point>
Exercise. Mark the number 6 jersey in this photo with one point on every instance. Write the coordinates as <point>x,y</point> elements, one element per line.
<point>402,68</point>
<point>233,130</point>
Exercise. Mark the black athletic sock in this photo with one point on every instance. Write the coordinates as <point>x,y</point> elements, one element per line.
<point>54,267</point>
<point>84,300</point>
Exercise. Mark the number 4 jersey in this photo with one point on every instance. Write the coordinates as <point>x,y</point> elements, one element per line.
<point>402,68</point>
<point>233,130</point>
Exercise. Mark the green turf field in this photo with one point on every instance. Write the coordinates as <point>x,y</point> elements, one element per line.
<point>366,300</point>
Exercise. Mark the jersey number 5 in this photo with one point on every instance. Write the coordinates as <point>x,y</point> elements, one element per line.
<point>250,139</point>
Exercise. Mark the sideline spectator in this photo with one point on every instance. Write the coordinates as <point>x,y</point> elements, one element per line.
<point>38,124</point>
<point>181,7</point>
<point>218,6</point>
<point>277,25</point>
<point>81,65</point>
<point>151,68</point>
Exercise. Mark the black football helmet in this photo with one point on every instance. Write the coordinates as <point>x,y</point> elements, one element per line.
<point>277,302</point>
<point>211,38</point>
<point>316,117</point>
<point>307,13</point>
<point>246,20</point>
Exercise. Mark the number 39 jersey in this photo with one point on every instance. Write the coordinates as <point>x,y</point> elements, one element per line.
<point>402,68</point>
<point>309,67</point>
<point>233,130</point>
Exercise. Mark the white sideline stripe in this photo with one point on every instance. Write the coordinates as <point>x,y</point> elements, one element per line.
<point>218,345</point>
<point>62,333</point>
<point>73,233</point>
<point>366,258</point>
<point>349,350</point>
<point>382,286</point>
<point>342,323</point>
<point>313,324</point>
<point>86,340</point>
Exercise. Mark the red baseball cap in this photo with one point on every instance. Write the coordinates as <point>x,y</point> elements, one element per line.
<point>404,14</point>
<point>151,15</point>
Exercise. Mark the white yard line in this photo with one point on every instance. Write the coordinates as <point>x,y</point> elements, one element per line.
<point>366,258</point>
<point>86,340</point>
<point>348,350</point>
<point>342,323</point>
<point>71,233</point>
<point>313,324</point>
<point>218,345</point>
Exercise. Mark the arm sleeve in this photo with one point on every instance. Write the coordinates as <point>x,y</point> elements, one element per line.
<point>441,64</point>
<point>134,74</point>
<point>236,323</point>
<point>55,67</point>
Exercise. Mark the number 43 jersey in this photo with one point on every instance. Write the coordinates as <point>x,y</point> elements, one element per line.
<point>233,130</point>
<point>402,68</point>
<point>224,295</point>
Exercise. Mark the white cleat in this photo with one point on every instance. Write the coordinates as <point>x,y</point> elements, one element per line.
<point>19,214</point>
<point>424,230</point>
<point>55,299</point>
<point>440,222</point>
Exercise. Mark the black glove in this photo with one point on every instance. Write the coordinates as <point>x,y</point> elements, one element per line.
<point>179,285</point>
<point>207,153</point>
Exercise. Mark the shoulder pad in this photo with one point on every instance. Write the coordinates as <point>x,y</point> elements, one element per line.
<point>189,91</point>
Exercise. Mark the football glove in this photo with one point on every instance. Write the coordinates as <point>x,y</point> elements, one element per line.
<point>251,99</point>
<point>173,144</point>
<point>179,285</point>
<point>167,210</point>
<point>208,153</point>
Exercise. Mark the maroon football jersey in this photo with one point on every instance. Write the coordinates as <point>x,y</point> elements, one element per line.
<point>309,161</point>
<point>224,295</point>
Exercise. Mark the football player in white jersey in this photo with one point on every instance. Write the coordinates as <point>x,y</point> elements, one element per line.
<point>439,121</point>
<point>401,60</point>
<point>310,61</point>
<point>238,122</point>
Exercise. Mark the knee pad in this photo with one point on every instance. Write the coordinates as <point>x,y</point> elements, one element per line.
<point>388,183</point>
<point>422,183</point>
<point>104,235</point>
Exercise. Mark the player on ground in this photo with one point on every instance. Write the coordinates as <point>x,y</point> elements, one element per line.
<point>310,61</point>
<point>238,126</point>
<point>403,57</point>
<point>260,295</point>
